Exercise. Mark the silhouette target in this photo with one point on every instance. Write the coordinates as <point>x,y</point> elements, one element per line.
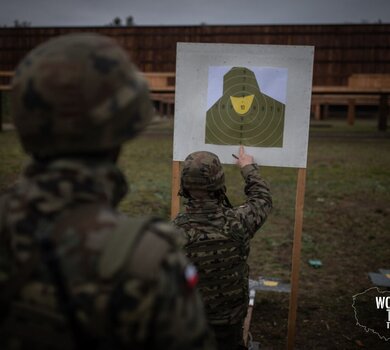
<point>244,115</point>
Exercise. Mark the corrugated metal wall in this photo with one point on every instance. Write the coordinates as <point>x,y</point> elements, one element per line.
<point>340,50</point>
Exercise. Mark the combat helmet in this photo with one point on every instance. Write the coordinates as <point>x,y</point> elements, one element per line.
<point>78,93</point>
<point>202,172</point>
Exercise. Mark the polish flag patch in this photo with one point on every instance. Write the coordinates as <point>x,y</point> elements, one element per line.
<point>191,276</point>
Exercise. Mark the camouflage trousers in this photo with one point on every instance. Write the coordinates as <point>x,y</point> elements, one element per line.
<point>229,337</point>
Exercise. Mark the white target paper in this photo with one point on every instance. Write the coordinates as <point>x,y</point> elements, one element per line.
<point>252,93</point>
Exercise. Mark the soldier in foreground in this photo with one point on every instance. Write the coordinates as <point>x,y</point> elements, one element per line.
<point>217,238</point>
<point>74,272</point>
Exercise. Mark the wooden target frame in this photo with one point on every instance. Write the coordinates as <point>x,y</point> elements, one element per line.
<point>199,71</point>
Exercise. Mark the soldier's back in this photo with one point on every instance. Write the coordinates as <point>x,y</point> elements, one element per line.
<point>88,275</point>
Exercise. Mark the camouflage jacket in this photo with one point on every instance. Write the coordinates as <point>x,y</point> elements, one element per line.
<point>217,242</point>
<point>141,298</point>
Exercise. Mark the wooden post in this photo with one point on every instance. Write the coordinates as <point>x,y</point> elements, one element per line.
<point>247,324</point>
<point>296,257</point>
<point>383,111</point>
<point>175,199</point>
<point>161,108</point>
<point>351,111</point>
<point>326,111</point>
<point>317,111</point>
<point>248,318</point>
<point>169,109</point>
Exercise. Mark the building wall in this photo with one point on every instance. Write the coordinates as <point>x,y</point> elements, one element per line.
<point>340,50</point>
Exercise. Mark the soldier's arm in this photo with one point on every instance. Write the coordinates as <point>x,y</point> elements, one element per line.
<point>258,204</point>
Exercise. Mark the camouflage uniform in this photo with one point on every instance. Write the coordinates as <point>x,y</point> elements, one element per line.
<point>74,272</point>
<point>218,238</point>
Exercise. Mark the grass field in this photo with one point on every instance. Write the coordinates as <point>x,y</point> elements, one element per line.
<point>346,224</point>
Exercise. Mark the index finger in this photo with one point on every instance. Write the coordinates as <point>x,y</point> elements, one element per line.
<point>241,151</point>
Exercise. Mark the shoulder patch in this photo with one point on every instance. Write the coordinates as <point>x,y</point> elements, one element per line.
<point>191,276</point>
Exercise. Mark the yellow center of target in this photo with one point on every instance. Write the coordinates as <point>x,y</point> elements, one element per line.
<point>241,105</point>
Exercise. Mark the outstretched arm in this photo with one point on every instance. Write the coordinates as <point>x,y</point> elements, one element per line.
<point>258,204</point>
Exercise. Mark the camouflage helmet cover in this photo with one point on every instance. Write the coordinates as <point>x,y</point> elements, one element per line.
<point>202,171</point>
<point>78,93</point>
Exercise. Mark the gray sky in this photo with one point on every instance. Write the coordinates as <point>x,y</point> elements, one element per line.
<point>182,12</point>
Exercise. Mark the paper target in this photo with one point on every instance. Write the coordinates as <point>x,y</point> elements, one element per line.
<point>257,96</point>
<point>244,115</point>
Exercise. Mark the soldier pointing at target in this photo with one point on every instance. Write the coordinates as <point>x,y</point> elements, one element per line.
<point>218,235</point>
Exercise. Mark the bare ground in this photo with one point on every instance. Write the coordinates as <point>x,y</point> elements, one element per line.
<point>346,225</point>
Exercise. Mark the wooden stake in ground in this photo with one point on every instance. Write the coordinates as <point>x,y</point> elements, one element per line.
<point>296,257</point>
<point>175,201</point>
<point>248,318</point>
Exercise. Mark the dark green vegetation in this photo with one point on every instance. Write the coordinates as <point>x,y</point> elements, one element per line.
<point>346,225</point>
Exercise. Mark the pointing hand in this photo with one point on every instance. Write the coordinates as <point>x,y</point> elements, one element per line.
<point>243,158</point>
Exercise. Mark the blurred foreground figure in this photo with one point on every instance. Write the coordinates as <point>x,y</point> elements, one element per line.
<point>74,272</point>
<point>217,238</point>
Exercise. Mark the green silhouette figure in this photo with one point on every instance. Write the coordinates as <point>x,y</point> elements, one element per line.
<point>244,115</point>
